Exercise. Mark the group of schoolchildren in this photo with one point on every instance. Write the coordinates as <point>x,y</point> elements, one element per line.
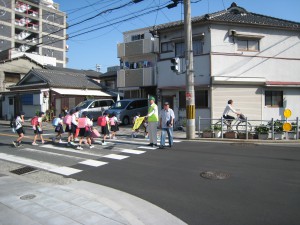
<point>82,128</point>
<point>76,127</point>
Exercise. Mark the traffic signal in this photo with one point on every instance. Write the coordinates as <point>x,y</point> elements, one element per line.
<point>176,64</point>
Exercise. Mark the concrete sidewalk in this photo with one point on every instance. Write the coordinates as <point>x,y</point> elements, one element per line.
<point>78,202</point>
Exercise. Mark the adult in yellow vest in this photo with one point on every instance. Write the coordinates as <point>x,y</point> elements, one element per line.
<point>152,122</point>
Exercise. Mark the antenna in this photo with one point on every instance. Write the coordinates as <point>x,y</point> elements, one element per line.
<point>98,67</point>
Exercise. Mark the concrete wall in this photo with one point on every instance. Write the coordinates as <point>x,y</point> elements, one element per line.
<point>21,66</point>
<point>277,60</point>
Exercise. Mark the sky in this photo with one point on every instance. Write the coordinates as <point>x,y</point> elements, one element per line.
<point>117,16</point>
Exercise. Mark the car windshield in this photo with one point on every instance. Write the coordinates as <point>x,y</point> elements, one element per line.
<point>120,105</point>
<point>84,104</point>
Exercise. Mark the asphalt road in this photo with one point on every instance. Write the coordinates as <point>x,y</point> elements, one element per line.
<point>263,187</point>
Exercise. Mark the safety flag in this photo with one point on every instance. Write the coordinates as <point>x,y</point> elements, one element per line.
<point>138,122</point>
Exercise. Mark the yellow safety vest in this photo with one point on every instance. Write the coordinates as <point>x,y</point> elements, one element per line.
<point>154,116</point>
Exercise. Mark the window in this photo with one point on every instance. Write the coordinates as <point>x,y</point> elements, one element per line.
<point>274,98</point>
<point>12,77</point>
<point>197,48</point>
<point>201,99</point>
<point>137,37</point>
<point>166,47</point>
<point>248,44</point>
<point>179,49</point>
<point>103,103</point>
<point>27,99</point>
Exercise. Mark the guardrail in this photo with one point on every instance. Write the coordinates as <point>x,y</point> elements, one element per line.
<point>249,127</point>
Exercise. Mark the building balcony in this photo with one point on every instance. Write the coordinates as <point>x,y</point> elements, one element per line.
<point>141,77</point>
<point>140,47</point>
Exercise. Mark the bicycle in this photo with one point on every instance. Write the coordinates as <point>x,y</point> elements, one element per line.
<point>239,123</point>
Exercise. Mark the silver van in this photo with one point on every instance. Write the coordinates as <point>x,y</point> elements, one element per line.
<point>126,109</point>
<point>95,107</point>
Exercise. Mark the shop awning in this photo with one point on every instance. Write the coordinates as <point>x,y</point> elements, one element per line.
<point>80,92</point>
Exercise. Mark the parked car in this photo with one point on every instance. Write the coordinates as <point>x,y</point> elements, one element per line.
<point>95,107</point>
<point>126,109</point>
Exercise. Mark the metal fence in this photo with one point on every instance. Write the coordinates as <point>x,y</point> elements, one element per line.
<point>249,128</point>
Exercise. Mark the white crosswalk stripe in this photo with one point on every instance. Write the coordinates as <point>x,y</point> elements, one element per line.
<point>115,156</point>
<point>67,171</point>
<point>147,147</point>
<point>57,158</point>
<point>68,150</point>
<point>53,153</point>
<point>130,151</point>
<point>94,163</point>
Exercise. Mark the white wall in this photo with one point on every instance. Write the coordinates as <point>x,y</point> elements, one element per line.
<point>277,60</point>
<point>291,101</point>
<point>167,78</point>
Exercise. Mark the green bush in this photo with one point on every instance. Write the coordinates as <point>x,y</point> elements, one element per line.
<point>262,129</point>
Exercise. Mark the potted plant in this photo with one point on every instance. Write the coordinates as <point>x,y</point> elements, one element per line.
<point>262,131</point>
<point>278,130</point>
<point>243,135</point>
<point>208,133</point>
<point>293,132</point>
<point>217,130</point>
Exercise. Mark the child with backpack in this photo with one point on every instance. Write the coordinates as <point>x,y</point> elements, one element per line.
<point>113,126</point>
<point>38,127</point>
<point>58,123</point>
<point>84,125</point>
<point>103,121</point>
<point>70,126</point>
<point>19,129</point>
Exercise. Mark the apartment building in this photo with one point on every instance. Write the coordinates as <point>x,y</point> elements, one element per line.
<point>137,76</point>
<point>250,58</point>
<point>35,28</point>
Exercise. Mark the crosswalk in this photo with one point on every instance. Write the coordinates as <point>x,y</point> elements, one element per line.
<point>59,159</point>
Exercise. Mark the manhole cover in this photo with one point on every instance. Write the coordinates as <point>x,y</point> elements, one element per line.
<point>27,197</point>
<point>23,170</point>
<point>212,175</point>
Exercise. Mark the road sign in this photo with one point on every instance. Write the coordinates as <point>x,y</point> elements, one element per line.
<point>287,126</point>
<point>287,113</point>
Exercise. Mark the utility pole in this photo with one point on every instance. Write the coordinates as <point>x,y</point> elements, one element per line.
<point>190,92</point>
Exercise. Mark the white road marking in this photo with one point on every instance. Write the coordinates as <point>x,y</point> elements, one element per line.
<point>94,163</point>
<point>39,164</point>
<point>67,171</point>
<point>52,153</point>
<point>25,161</point>
<point>147,147</point>
<point>69,150</point>
<point>115,156</point>
<point>130,151</point>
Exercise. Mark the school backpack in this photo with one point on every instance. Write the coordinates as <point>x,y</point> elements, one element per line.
<point>34,121</point>
<point>112,121</point>
<point>55,122</point>
<point>67,119</point>
<point>82,122</point>
<point>101,121</point>
<point>13,123</point>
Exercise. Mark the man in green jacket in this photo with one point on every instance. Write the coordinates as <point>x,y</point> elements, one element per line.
<point>152,121</point>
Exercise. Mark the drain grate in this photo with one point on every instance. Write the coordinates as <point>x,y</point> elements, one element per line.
<point>23,170</point>
<point>212,175</point>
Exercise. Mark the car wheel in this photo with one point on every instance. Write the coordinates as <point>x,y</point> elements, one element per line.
<point>125,120</point>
